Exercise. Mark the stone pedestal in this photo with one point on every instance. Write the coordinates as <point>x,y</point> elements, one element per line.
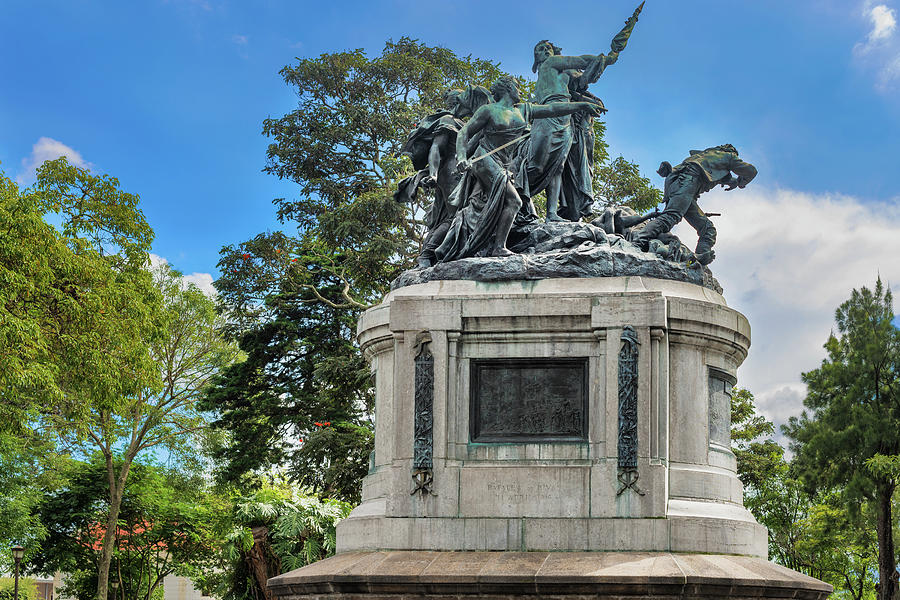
<point>589,416</point>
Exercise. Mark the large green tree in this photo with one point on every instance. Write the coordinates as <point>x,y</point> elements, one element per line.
<point>302,370</point>
<point>849,438</point>
<point>99,354</point>
<point>187,350</point>
<point>812,532</point>
<point>78,310</point>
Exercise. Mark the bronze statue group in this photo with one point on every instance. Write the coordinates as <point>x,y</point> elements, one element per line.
<point>485,171</point>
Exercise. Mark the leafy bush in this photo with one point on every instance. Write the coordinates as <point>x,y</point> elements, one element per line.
<point>27,588</point>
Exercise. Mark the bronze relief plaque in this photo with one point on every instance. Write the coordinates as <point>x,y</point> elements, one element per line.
<point>528,400</point>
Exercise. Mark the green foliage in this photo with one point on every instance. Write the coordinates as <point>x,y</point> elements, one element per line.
<point>275,530</point>
<point>106,355</point>
<point>854,397</point>
<point>758,460</point>
<point>167,524</point>
<point>829,511</point>
<point>27,588</point>
<point>838,548</point>
<point>815,534</point>
<point>334,459</point>
<point>302,367</point>
<point>772,497</point>
<point>96,214</point>
<point>884,466</point>
<point>186,353</point>
<point>78,310</point>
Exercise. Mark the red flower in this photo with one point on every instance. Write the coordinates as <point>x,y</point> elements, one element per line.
<point>318,424</point>
<point>301,439</point>
<point>327,423</point>
<point>245,256</point>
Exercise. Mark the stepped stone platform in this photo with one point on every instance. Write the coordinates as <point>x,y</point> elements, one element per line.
<point>554,575</point>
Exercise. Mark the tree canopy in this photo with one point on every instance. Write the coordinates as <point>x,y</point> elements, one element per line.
<point>302,370</point>
<point>167,524</point>
<point>811,532</point>
<point>75,321</point>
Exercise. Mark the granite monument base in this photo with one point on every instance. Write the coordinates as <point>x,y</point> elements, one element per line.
<point>557,438</point>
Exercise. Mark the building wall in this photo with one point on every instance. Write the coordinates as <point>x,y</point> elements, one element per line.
<point>181,588</point>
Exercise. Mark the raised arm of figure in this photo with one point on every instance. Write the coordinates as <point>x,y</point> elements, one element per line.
<point>559,109</point>
<point>561,63</point>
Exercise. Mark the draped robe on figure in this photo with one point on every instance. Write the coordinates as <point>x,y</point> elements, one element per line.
<point>481,193</point>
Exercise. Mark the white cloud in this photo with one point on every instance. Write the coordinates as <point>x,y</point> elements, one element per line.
<point>889,73</point>
<point>884,22</point>
<point>786,260</point>
<point>47,149</point>
<point>204,281</point>
<point>156,260</point>
<point>880,52</point>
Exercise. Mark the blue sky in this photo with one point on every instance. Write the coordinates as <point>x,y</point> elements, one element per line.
<point>169,96</point>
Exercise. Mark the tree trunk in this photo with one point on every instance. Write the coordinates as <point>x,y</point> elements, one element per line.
<point>257,562</point>
<point>116,489</point>
<point>106,550</point>
<point>887,581</point>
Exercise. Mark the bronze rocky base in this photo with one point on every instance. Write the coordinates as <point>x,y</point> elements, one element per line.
<point>555,250</point>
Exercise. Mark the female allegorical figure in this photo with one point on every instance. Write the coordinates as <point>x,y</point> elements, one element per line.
<point>432,149</point>
<point>486,195</point>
